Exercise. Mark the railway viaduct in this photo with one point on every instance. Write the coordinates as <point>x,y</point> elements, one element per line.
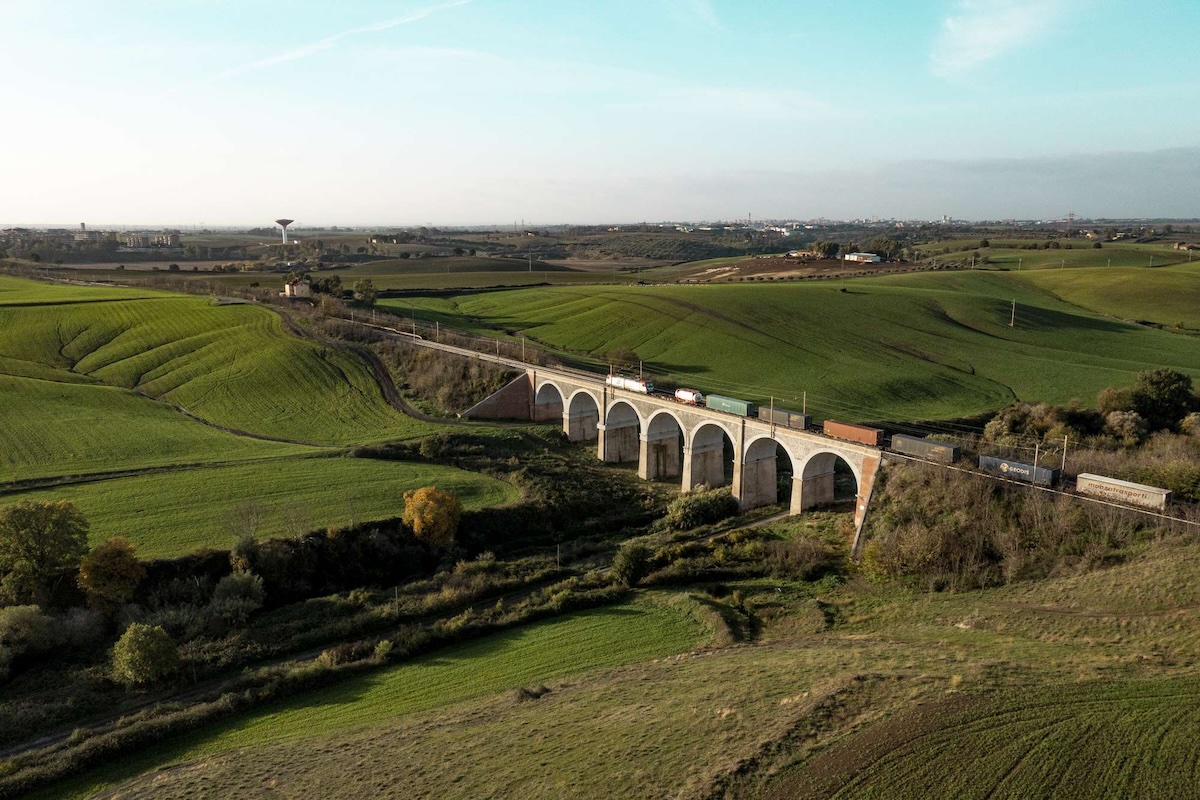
<point>671,440</point>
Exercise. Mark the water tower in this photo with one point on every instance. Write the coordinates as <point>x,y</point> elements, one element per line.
<point>283,223</point>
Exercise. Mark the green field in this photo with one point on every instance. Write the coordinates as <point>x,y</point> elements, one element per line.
<point>526,656</point>
<point>1169,296</point>
<point>1095,740</point>
<point>1009,253</point>
<point>912,346</point>
<point>294,493</point>
<point>81,369</point>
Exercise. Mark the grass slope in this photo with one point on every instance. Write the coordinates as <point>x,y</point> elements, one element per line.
<point>1169,296</point>
<point>928,345</point>
<point>312,492</point>
<point>1095,740</point>
<point>522,657</point>
<point>77,365</point>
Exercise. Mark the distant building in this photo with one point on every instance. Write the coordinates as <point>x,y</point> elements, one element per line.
<point>297,287</point>
<point>1185,246</point>
<point>137,240</point>
<point>869,258</point>
<point>166,240</point>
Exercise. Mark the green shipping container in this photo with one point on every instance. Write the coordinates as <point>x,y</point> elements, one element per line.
<point>730,405</point>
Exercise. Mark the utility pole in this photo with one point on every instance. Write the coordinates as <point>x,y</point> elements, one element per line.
<point>804,404</point>
<point>1019,260</point>
<point>1064,460</point>
<point>1036,452</point>
<point>1012,321</point>
<point>1152,261</point>
<point>522,348</point>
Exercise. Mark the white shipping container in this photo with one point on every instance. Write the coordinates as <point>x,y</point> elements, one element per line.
<point>690,396</point>
<point>1134,494</point>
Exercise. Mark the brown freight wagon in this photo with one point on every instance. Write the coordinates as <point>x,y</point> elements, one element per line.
<point>853,433</point>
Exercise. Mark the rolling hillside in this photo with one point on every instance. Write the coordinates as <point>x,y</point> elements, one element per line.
<point>913,346</point>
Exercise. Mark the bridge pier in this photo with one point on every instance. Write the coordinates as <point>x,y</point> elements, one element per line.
<point>581,426</point>
<point>658,456</point>
<point>755,484</point>
<point>813,491</point>
<point>617,445</point>
<point>546,412</point>
<point>703,465</point>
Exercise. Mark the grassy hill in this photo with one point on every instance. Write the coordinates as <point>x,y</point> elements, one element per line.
<point>295,495</point>
<point>913,346</point>
<point>854,689</point>
<point>1014,253</point>
<point>1168,296</point>
<point>578,644</point>
<point>80,369</point>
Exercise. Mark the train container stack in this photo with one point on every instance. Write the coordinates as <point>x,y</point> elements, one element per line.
<point>784,417</point>
<point>853,433</point>
<point>1018,471</point>
<point>925,448</point>
<point>1134,494</point>
<point>731,405</point>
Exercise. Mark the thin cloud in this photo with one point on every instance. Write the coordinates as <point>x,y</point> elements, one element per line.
<point>691,11</point>
<point>984,30</point>
<point>329,42</point>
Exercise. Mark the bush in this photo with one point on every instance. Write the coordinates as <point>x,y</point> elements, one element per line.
<point>28,630</point>
<point>237,596</point>
<point>144,654</point>
<point>632,563</point>
<point>702,506</point>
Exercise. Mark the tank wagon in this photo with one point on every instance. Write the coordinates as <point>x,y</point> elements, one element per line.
<point>692,397</point>
<point>1018,471</point>
<point>629,384</point>
<point>1134,494</point>
<point>921,447</point>
<point>784,417</point>
<point>730,405</point>
<point>853,433</point>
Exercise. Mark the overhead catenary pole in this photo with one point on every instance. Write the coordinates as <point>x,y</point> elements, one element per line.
<point>1064,458</point>
<point>1012,320</point>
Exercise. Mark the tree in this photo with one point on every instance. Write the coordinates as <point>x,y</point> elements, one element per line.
<point>826,249</point>
<point>632,563</point>
<point>365,292</point>
<point>110,574</point>
<point>39,541</point>
<point>144,653</point>
<point>432,514</point>
<point>1162,397</point>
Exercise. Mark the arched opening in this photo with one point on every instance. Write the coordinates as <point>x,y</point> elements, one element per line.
<point>826,479</point>
<point>709,460</point>
<point>661,452</point>
<point>547,403</point>
<point>582,417</point>
<point>766,476</point>
<point>622,430</point>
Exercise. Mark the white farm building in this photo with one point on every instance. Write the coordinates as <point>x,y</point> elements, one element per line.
<point>869,258</point>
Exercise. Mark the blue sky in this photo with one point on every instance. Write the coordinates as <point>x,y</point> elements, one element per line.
<point>488,111</point>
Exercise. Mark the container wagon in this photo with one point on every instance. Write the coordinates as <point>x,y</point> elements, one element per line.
<point>1135,494</point>
<point>921,447</point>
<point>692,397</point>
<point>853,433</point>
<point>1018,471</point>
<point>731,405</point>
<point>629,384</point>
<point>784,417</point>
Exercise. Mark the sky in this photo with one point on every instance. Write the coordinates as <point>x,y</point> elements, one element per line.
<point>461,112</point>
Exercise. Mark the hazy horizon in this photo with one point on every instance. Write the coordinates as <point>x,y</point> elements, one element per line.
<point>477,112</point>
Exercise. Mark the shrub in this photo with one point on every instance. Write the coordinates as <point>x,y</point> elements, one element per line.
<point>237,596</point>
<point>28,630</point>
<point>144,654</point>
<point>701,506</point>
<point>1127,426</point>
<point>632,563</point>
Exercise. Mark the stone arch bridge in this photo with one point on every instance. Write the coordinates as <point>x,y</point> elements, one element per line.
<point>669,439</point>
